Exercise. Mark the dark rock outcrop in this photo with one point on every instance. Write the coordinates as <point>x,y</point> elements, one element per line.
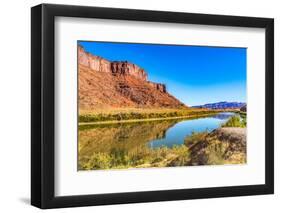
<point>243,108</point>
<point>126,68</point>
<point>158,86</point>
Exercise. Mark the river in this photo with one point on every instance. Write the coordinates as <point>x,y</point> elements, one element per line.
<point>129,136</point>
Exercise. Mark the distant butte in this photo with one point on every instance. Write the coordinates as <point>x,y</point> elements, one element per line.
<point>118,84</point>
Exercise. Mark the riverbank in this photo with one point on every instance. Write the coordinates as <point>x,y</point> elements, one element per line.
<point>134,115</point>
<point>222,146</point>
<point>150,119</point>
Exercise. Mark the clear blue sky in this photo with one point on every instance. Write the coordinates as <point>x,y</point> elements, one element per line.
<point>193,74</point>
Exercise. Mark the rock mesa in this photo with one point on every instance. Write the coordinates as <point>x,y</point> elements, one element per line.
<point>117,84</point>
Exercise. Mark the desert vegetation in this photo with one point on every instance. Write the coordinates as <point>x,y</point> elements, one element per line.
<point>222,146</point>
<point>140,158</point>
<point>142,114</point>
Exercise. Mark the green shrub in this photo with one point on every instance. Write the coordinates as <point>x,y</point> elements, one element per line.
<point>194,138</point>
<point>162,156</point>
<point>145,114</point>
<point>235,121</point>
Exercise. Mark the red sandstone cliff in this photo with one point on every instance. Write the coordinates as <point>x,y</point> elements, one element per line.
<point>118,84</point>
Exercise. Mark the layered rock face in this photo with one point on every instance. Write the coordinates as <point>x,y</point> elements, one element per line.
<point>158,86</point>
<point>126,68</point>
<point>93,62</point>
<point>118,84</point>
<point>100,64</point>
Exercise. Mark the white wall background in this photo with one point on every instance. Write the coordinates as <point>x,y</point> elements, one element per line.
<point>15,105</point>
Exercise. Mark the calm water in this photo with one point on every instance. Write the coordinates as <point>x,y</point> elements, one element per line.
<point>132,136</point>
<point>176,134</point>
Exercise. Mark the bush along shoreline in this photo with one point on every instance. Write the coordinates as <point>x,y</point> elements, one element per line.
<point>236,121</point>
<point>147,114</point>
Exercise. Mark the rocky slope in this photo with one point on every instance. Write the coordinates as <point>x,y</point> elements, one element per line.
<point>243,108</point>
<point>225,145</point>
<point>118,84</point>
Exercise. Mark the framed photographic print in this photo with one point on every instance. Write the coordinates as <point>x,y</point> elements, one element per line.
<point>140,106</point>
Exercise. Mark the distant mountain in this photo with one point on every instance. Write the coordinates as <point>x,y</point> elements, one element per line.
<point>118,84</point>
<point>222,105</point>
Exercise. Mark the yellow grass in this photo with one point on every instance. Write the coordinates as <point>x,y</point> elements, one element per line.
<point>140,114</point>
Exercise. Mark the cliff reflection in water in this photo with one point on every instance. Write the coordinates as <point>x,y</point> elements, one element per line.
<point>125,136</point>
<point>223,116</point>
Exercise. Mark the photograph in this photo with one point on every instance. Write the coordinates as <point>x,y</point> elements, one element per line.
<point>144,105</point>
<point>139,105</point>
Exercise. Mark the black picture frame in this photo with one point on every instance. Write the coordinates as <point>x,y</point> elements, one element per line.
<point>43,102</point>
